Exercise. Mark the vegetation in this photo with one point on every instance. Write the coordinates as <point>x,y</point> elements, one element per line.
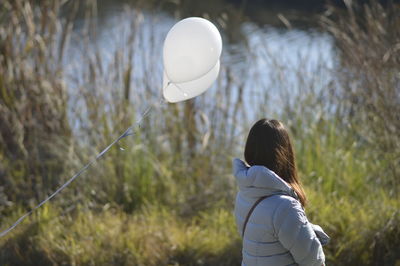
<point>165,196</point>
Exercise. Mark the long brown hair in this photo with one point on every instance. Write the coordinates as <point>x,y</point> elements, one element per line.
<point>268,144</point>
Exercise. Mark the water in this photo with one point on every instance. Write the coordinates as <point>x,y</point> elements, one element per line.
<point>269,49</point>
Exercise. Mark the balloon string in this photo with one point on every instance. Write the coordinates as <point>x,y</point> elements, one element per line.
<point>179,88</point>
<point>128,132</point>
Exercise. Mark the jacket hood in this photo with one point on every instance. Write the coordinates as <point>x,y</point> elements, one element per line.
<point>258,181</point>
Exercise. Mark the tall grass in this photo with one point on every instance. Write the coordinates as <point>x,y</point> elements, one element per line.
<point>98,105</point>
<point>164,196</point>
<point>369,97</point>
<point>35,135</point>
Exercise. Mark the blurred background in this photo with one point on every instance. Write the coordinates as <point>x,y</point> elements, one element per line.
<point>75,74</point>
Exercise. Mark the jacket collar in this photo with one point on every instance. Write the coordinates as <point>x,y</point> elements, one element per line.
<point>258,181</point>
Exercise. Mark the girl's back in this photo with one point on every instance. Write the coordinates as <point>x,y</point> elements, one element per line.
<point>271,199</point>
<point>278,232</point>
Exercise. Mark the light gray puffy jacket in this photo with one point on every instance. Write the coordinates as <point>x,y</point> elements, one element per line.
<point>278,232</point>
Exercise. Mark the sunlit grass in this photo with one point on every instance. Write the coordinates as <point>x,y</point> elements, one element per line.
<point>154,236</point>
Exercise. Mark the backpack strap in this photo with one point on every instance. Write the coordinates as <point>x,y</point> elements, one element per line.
<point>251,211</point>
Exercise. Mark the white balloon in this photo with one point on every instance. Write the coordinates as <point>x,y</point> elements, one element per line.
<point>191,49</point>
<point>177,92</point>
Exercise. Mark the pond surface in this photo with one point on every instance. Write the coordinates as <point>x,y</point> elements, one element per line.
<point>267,47</point>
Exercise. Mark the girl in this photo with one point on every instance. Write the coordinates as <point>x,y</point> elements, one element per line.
<point>269,206</point>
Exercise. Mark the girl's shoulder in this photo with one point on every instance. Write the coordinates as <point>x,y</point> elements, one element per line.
<point>282,200</point>
<point>279,205</point>
<point>289,208</point>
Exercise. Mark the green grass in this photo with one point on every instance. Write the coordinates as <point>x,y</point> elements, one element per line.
<point>154,236</point>
<point>360,217</point>
<point>344,197</point>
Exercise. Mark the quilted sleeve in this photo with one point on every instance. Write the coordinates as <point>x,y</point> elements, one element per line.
<point>296,234</point>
